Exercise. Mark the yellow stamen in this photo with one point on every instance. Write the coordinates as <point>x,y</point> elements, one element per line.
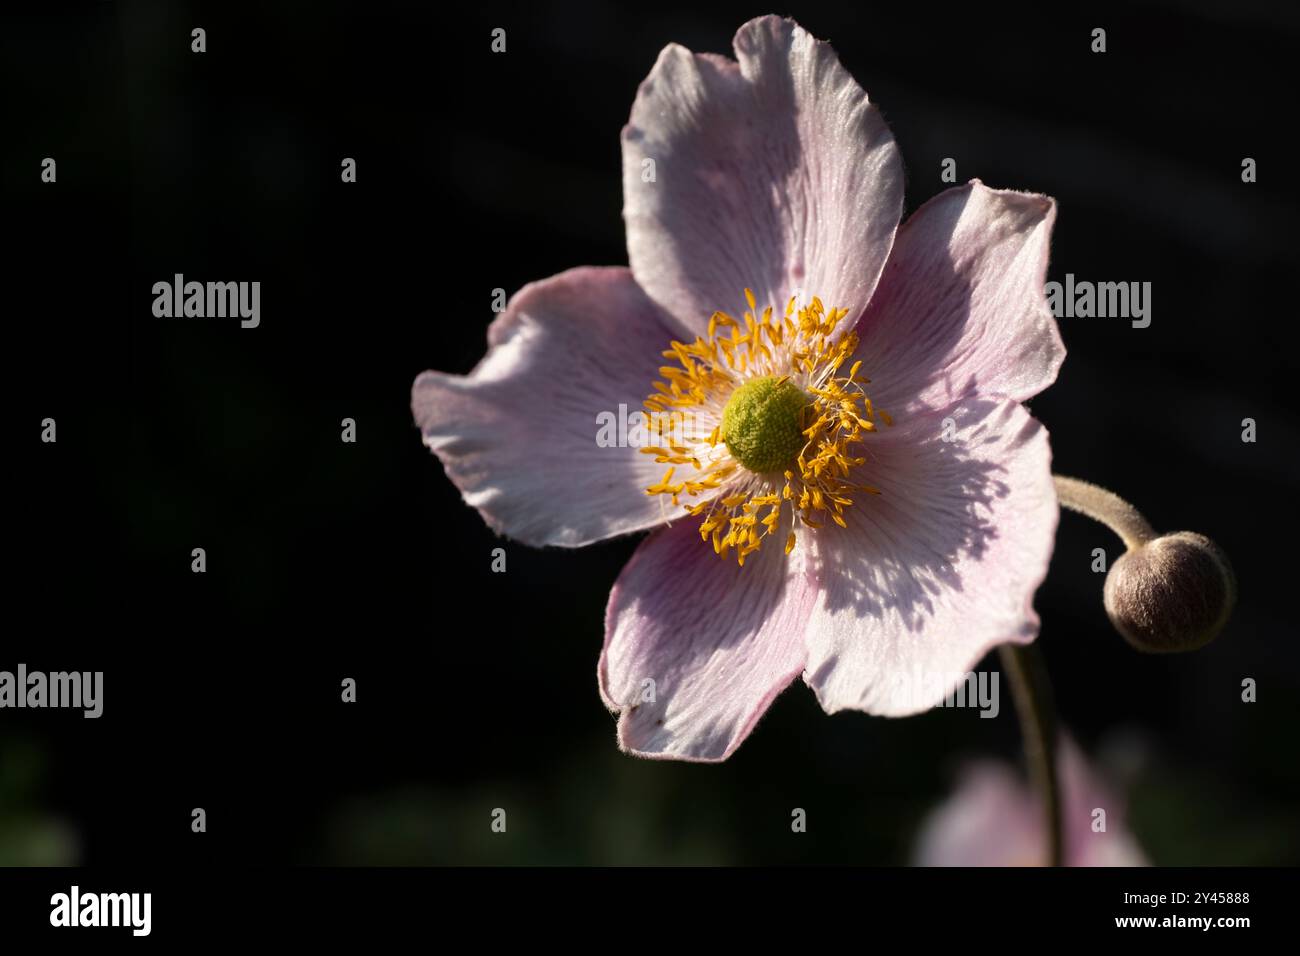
<point>801,358</point>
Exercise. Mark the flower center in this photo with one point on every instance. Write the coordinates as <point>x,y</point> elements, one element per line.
<point>766,423</point>
<point>762,423</point>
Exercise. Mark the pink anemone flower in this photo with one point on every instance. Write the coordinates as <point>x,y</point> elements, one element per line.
<point>994,820</point>
<point>841,481</point>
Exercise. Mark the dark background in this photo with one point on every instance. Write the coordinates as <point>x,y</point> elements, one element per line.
<point>478,171</point>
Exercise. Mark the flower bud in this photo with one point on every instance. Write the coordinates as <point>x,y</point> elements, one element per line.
<point>1173,593</point>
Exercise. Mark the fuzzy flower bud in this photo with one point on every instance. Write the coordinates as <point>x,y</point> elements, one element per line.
<point>1173,593</point>
<point>1167,593</point>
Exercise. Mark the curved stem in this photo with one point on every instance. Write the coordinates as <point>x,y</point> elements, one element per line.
<point>1104,506</point>
<point>1033,696</point>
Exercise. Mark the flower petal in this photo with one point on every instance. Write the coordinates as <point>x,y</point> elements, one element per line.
<point>719,642</point>
<point>940,567</point>
<point>991,820</point>
<point>518,435</point>
<point>994,819</point>
<point>960,309</point>
<point>1084,791</point>
<point>774,173</point>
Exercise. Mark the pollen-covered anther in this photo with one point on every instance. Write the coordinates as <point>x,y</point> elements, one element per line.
<point>759,416</point>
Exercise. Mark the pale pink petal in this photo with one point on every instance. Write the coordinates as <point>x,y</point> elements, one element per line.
<point>1084,793</point>
<point>518,435</point>
<point>991,820</point>
<point>774,173</point>
<point>939,568</point>
<point>995,819</point>
<point>960,309</point>
<point>718,641</point>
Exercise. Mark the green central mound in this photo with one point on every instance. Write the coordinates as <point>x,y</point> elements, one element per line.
<point>761,423</point>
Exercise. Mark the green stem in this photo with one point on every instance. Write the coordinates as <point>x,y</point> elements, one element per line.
<point>1033,696</point>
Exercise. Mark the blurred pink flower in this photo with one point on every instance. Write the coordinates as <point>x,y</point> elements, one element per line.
<point>995,820</point>
<point>876,547</point>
